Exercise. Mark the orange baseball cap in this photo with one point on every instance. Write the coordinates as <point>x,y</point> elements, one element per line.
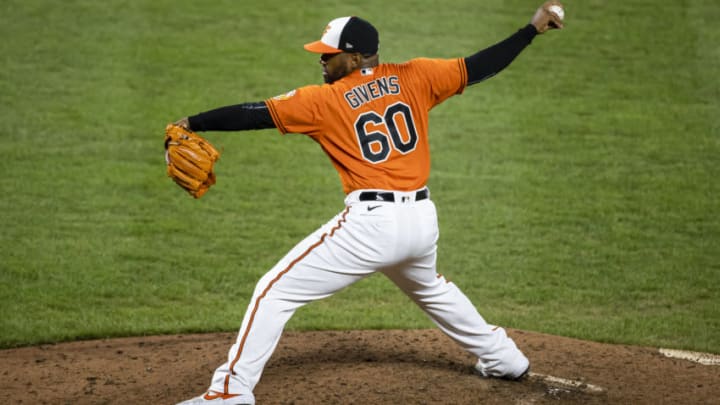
<point>347,34</point>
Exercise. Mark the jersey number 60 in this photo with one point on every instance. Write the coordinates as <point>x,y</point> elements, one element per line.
<point>375,145</point>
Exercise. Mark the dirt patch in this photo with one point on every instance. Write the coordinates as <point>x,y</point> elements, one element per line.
<point>381,367</point>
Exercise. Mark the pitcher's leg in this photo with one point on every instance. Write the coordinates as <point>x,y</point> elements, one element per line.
<point>456,316</point>
<point>315,269</point>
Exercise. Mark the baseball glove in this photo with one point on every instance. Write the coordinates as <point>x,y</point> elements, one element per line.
<point>190,159</point>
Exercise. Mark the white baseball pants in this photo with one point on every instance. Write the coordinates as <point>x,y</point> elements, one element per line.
<point>398,239</point>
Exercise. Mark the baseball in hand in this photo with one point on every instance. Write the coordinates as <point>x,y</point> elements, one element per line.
<point>557,10</point>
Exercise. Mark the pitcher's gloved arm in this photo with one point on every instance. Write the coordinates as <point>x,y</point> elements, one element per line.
<point>237,117</point>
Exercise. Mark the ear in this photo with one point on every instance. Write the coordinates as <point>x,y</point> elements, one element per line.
<point>356,60</point>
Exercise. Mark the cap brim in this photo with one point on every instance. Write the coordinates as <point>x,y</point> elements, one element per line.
<point>321,47</point>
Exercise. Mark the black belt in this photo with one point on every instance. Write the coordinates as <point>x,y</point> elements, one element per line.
<point>389,196</point>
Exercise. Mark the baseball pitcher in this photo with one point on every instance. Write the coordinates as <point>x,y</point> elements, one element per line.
<point>371,119</point>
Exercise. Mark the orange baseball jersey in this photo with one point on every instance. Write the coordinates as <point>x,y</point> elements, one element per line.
<point>373,123</point>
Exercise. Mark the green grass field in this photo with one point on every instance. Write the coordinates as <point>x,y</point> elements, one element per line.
<point>578,191</point>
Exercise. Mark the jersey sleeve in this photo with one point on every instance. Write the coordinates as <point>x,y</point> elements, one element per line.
<point>297,111</point>
<point>440,78</point>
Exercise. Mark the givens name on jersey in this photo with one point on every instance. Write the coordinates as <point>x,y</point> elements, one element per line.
<point>366,92</point>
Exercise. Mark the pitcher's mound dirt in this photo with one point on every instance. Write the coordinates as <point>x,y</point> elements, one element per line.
<point>352,367</point>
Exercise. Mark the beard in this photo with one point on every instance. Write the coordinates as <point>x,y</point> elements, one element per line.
<point>332,77</point>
